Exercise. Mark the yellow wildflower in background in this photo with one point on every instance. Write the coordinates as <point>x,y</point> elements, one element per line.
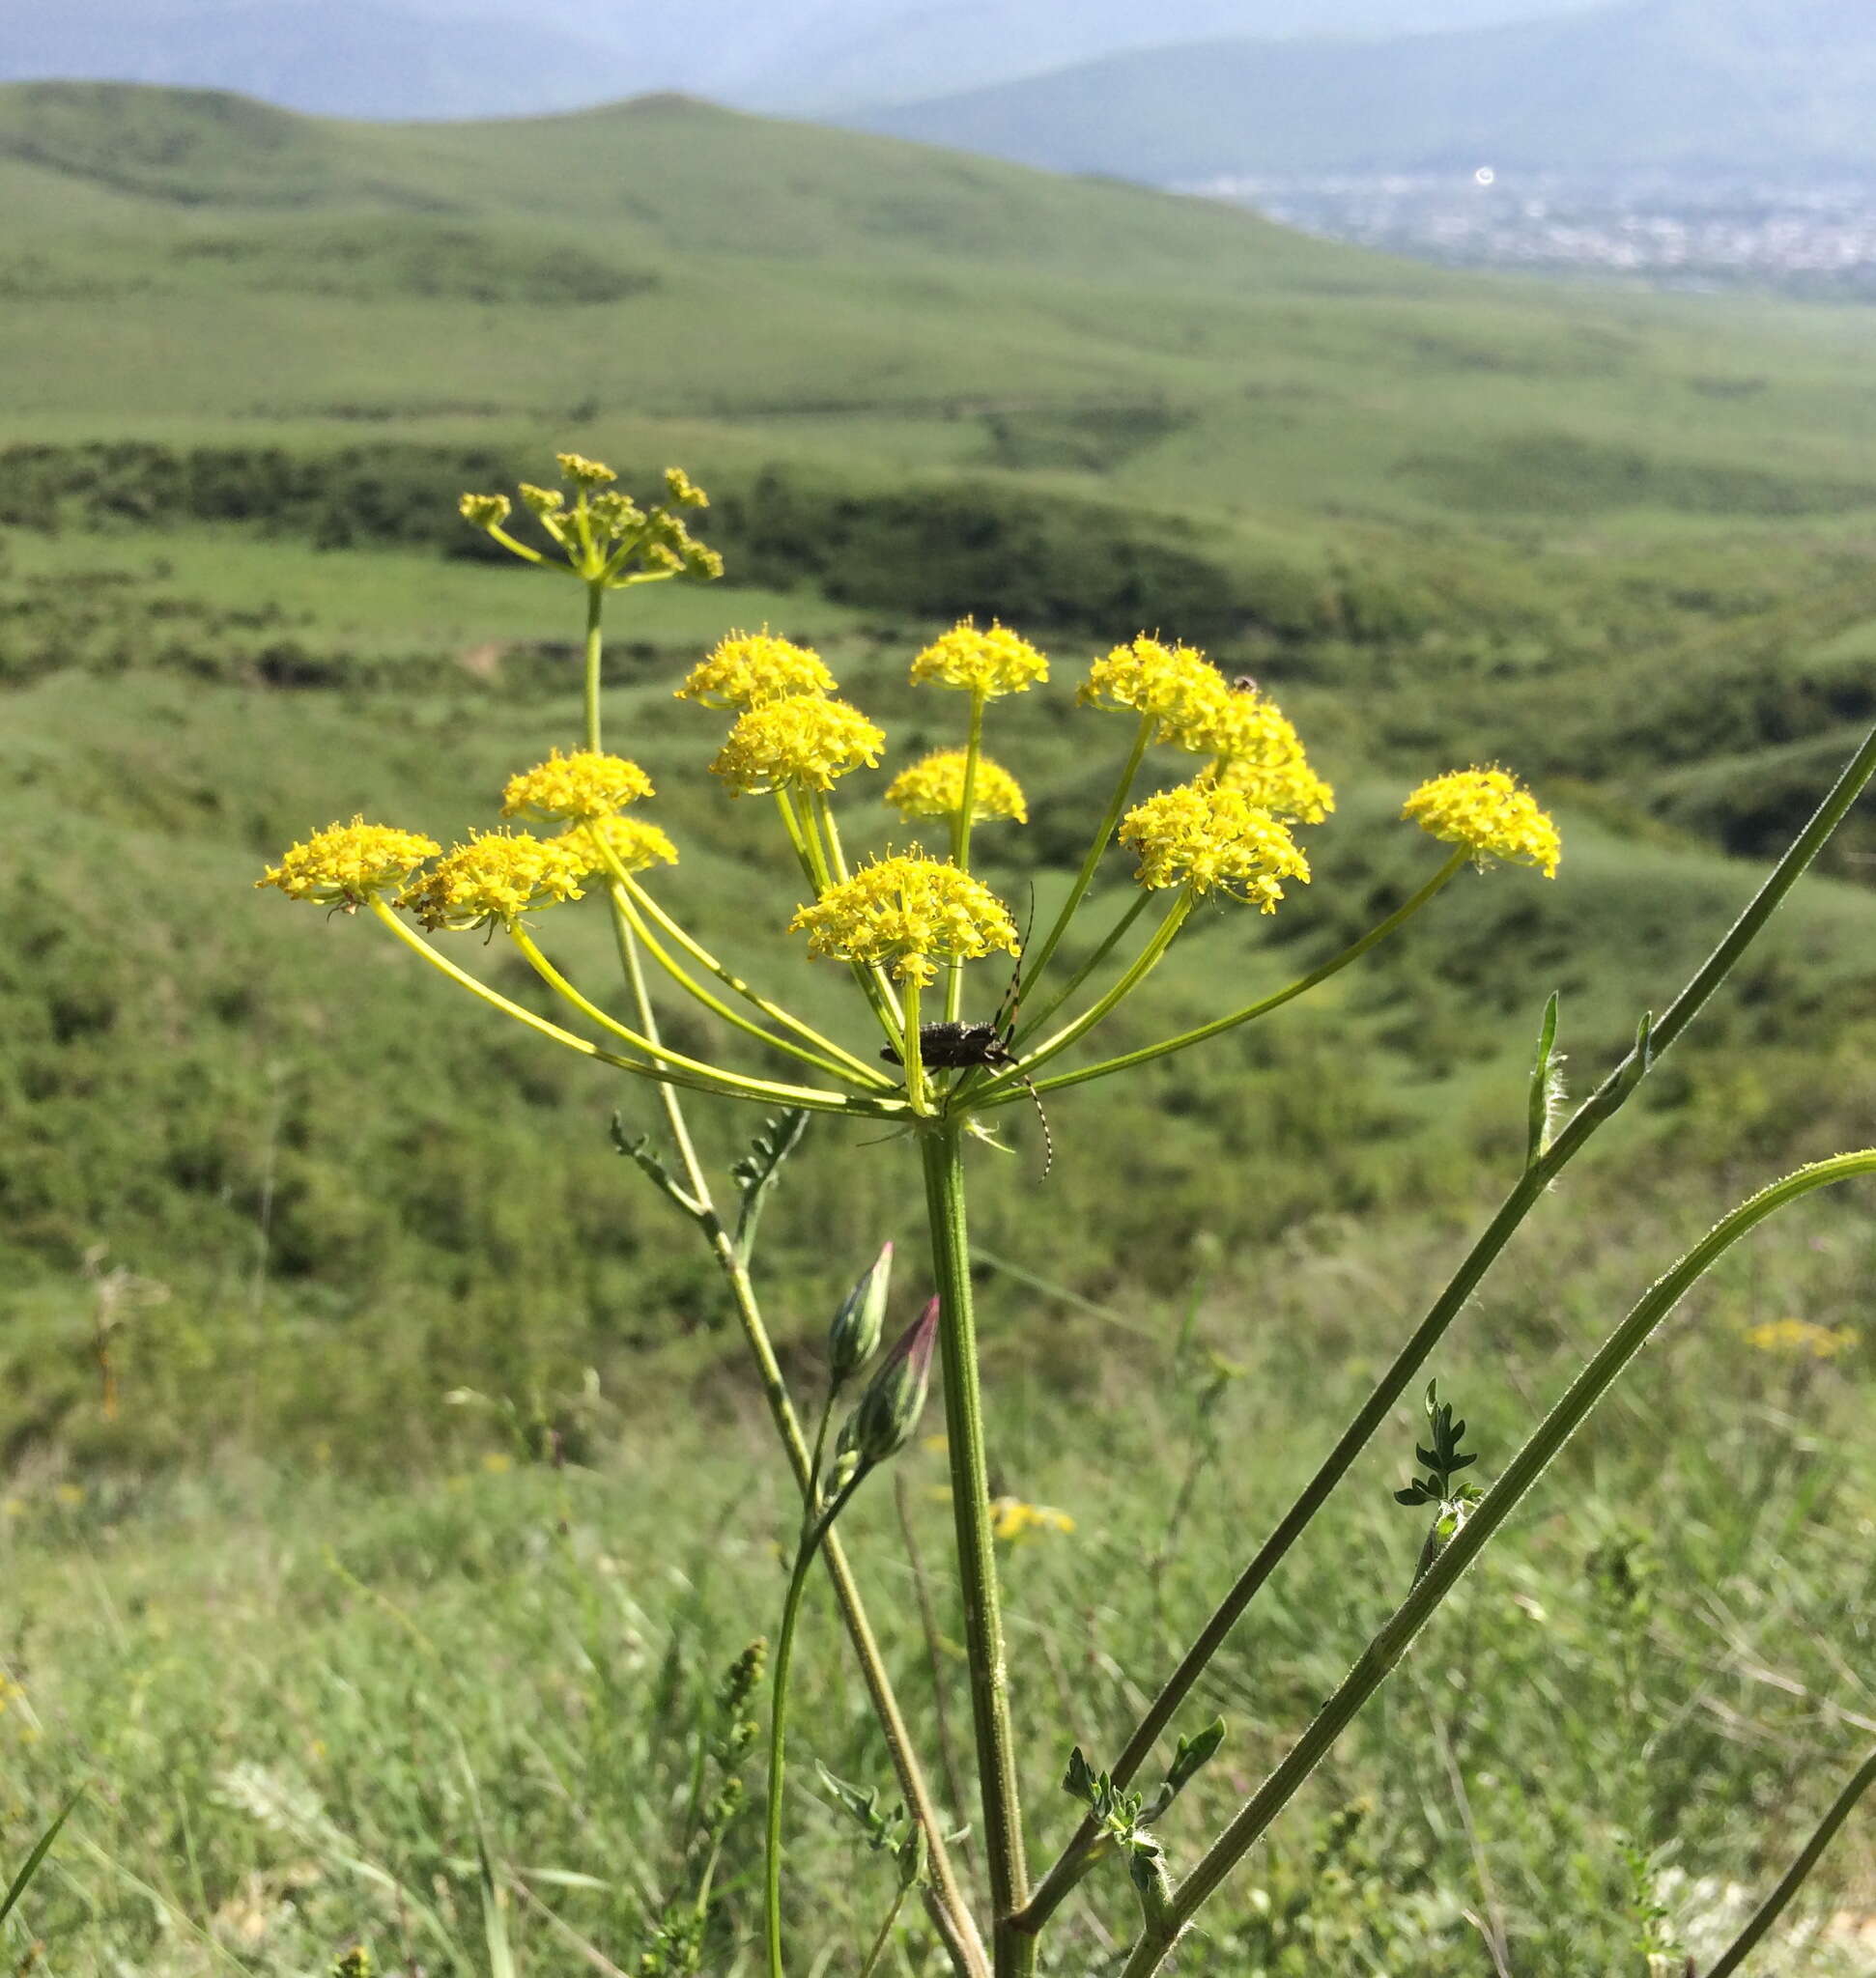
<point>935,788</point>
<point>1802,1335</point>
<point>801,742</point>
<point>989,662</point>
<point>1207,836</point>
<point>909,911</point>
<point>635,845</point>
<point>1490,812</point>
<point>497,876</point>
<point>1011,1520</point>
<point>1176,684</point>
<point>345,864</point>
<point>579,787</point>
<point>751,668</point>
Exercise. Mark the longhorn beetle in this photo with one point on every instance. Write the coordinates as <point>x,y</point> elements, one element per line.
<point>967,1047</point>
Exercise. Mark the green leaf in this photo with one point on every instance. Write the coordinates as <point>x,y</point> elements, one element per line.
<point>1079,1781</point>
<point>637,1147</point>
<point>42,1848</point>
<point>756,1171</point>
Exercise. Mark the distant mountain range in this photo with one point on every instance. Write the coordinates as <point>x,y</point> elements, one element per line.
<point>397,59</point>
<point>1772,85</point>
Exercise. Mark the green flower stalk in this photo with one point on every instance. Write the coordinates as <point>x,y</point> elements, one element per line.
<point>1228,835</point>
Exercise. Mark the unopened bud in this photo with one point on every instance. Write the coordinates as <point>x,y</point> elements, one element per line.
<point>853,1338</point>
<point>588,473</point>
<point>485,511</point>
<point>888,1411</point>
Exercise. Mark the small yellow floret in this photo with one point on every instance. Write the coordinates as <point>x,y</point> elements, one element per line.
<point>935,788</point>
<point>497,876</point>
<point>1012,1520</point>
<point>1487,810</point>
<point>1800,1336</point>
<point>801,742</point>
<point>1176,684</point>
<point>910,911</point>
<point>1207,837</point>
<point>989,662</point>
<point>584,473</point>
<point>579,786</point>
<point>751,668</point>
<point>685,491</point>
<point>635,845</point>
<point>346,865</point>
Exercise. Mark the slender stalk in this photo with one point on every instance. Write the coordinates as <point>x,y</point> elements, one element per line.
<point>733,1084</point>
<point>595,607</point>
<point>885,1936</point>
<point>1251,1011</point>
<point>625,909</point>
<point>1085,878</point>
<point>999,1089</point>
<point>649,909</point>
<point>785,1650</point>
<point>1596,1111</point>
<point>1775,1905</point>
<point>915,1078</point>
<point>1378,1659</point>
<point>977,1565</point>
<point>1142,900</point>
<point>960,839</point>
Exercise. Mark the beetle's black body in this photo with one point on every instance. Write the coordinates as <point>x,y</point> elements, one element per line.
<point>966,1047</point>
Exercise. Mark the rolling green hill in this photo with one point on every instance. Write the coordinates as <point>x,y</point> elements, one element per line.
<point>1618,542</point>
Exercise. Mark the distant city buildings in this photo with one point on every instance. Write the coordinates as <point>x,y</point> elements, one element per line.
<point>1679,229</point>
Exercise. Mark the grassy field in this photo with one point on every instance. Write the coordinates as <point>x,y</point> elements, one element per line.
<point>267,1198</point>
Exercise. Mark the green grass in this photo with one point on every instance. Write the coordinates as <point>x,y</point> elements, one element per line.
<point>268,1678</point>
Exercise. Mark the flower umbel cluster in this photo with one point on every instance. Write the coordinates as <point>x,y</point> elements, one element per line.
<point>988,664</point>
<point>935,788</point>
<point>909,912</point>
<point>577,787</point>
<point>346,865</point>
<point>1489,812</point>
<point>1209,837</point>
<point>603,537</point>
<point>749,669</point>
<point>497,877</point>
<point>803,742</point>
<point>630,843</point>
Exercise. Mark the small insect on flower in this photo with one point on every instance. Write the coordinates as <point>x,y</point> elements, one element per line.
<point>346,865</point>
<point>1491,812</point>
<point>579,787</point>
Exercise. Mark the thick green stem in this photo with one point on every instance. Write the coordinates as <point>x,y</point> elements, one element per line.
<point>1775,1905</point>
<point>977,1565</point>
<point>1378,1659</point>
<point>1596,1111</point>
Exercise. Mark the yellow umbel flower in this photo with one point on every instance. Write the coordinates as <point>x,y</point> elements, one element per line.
<point>1290,790</point>
<point>485,511</point>
<point>751,668</point>
<point>584,473</point>
<point>634,844</point>
<point>497,876</point>
<point>935,788</point>
<point>1490,812</point>
<point>802,742</point>
<point>910,911</point>
<point>1207,836</point>
<point>345,864</point>
<point>1176,684</point>
<point>1800,1336</point>
<point>579,786</point>
<point>1011,1520</point>
<point>989,662</point>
